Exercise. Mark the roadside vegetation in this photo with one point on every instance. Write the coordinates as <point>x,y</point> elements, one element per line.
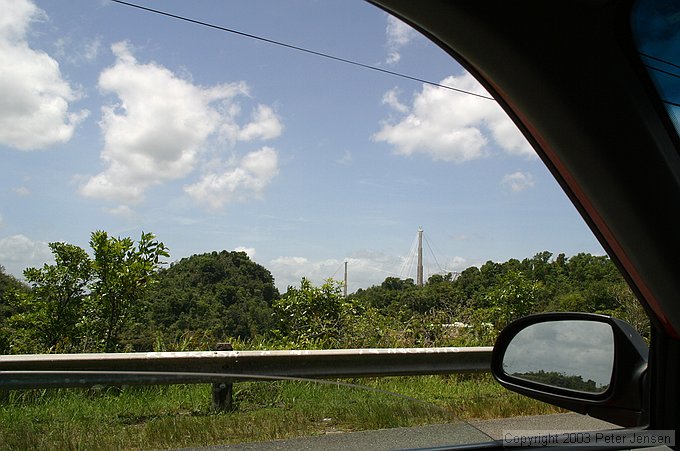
<point>120,296</point>
<point>180,416</point>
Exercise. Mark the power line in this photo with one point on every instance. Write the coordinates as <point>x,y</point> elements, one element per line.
<point>336,271</point>
<point>299,49</point>
<point>668,102</point>
<point>665,72</point>
<point>407,265</point>
<point>661,60</point>
<point>662,71</point>
<point>433,255</point>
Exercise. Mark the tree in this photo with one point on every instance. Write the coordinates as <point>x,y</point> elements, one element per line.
<point>122,274</point>
<point>81,302</point>
<point>512,297</point>
<point>218,295</point>
<point>54,308</point>
<point>631,310</point>
<point>312,315</point>
<point>11,289</point>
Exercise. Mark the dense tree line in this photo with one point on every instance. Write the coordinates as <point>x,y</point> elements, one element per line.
<point>556,379</point>
<point>215,295</point>
<point>122,298</point>
<point>488,297</point>
<point>581,283</point>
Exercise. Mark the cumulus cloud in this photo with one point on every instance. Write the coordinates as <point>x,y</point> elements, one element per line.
<point>161,126</point>
<point>246,180</point>
<point>250,251</point>
<point>391,99</point>
<point>18,252</point>
<point>34,106</point>
<point>457,263</point>
<point>450,126</point>
<point>365,269</point>
<point>264,124</point>
<point>398,35</point>
<point>81,51</point>
<point>122,211</point>
<point>518,181</point>
<point>289,270</point>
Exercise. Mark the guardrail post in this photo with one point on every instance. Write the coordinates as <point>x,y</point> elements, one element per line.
<point>222,392</point>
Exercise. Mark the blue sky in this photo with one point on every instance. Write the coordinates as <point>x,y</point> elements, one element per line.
<point>117,119</point>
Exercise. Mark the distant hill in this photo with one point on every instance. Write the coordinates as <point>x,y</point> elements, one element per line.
<point>221,294</point>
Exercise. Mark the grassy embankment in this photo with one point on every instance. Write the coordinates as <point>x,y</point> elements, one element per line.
<point>181,416</point>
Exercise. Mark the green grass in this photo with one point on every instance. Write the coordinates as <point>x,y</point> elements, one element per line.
<point>180,416</point>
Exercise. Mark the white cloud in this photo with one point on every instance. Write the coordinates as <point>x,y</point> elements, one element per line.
<point>18,252</point>
<point>346,158</point>
<point>264,125</point>
<point>368,268</point>
<point>391,99</point>
<point>398,35</point>
<point>518,181</point>
<point>34,106</point>
<point>122,211</point>
<point>245,180</point>
<point>250,251</point>
<point>290,261</point>
<point>22,191</point>
<point>364,268</point>
<point>81,51</point>
<point>92,48</point>
<point>457,263</point>
<point>288,271</point>
<point>162,125</point>
<point>450,126</point>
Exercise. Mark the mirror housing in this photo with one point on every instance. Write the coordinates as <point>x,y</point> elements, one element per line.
<point>623,402</point>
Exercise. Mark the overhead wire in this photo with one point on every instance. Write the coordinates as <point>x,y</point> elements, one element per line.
<point>665,72</point>
<point>661,60</point>
<point>300,49</point>
<point>337,270</point>
<point>409,263</point>
<point>434,256</point>
<point>662,71</point>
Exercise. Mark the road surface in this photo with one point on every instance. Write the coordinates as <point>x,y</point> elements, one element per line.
<point>425,436</point>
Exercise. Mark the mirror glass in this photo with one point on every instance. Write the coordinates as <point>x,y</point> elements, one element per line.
<point>575,355</point>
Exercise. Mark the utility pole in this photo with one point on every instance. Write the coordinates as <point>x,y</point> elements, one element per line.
<point>420,257</point>
<point>345,288</point>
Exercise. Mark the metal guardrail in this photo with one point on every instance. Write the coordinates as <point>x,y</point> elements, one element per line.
<point>87,370</point>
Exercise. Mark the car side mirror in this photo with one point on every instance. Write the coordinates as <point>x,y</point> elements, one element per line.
<point>588,363</point>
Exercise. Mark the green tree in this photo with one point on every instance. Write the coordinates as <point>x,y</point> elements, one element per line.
<point>8,284</point>
<point>83,303</point>
<point>315,316</point>
<point>11,289</point>
<point>55,305</point>
<point>122,274</point>
<point>513,296</point>
<point>631,310</point>
<point>217,295</point>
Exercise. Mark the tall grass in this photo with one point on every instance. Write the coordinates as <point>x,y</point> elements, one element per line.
<point>181,416</point>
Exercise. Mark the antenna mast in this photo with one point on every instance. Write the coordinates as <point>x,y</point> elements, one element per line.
<point>345,287</point>
<point>420,258</point>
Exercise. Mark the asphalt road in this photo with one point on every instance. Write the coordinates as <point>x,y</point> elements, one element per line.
<point>425,436</point>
